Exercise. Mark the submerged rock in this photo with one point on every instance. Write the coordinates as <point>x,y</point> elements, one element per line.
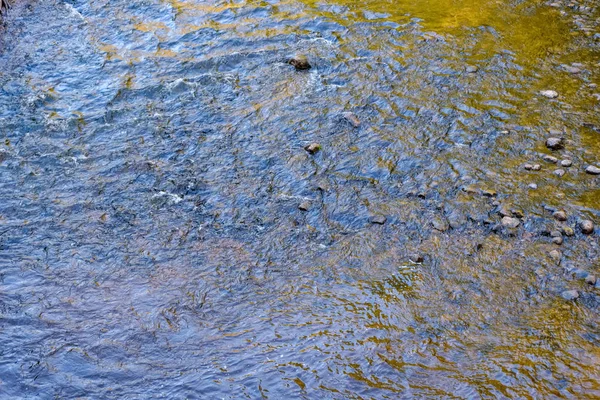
<point>304,206</point>
<point>560,215</point>
<point>570,294</point>
<point>566,163</point>
<point>559,172</point>
<point>550,159</point>
<point>440,224</point>
<point>591,279</point>
<point>352,118</point>
<point>471,69</point>
<point>416,258</point>
<point>300,63</point>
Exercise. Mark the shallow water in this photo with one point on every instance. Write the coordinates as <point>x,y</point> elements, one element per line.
<point>152,164</point>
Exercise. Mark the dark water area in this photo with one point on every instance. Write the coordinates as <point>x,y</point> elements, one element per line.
<point>152,166</point>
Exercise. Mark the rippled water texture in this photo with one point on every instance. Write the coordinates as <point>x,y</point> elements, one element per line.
<point>152,165</point>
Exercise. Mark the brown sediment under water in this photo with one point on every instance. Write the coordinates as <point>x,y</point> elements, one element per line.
<point>165,234</point>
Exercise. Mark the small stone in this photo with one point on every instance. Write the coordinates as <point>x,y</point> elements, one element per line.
<point>488,192</point>
<point>555,234</point>
<point>593,170</point>
<point>551,94</point>
<point>586,226</point>
<point>505,211</point>
<point>304,206</point>
<point>536,167</point>
<point>440,224</point>
<point>517,212</point>
<point>352,118</point>
<point>471,69</point>
<point>378,219</point>
<point>560,215</point>
<point>559,172</point>
<point>300,62</point>
<point>528,167</point>
<point>557,240</point>
<point>550,159</point>
<point>532,186</point>
<point>416,258</point>
<point>571,70</point>
<point>570,294</point>
<point>469,189</point>
<point>566,163</point>
<point>510,222</point>
<point>591,279</point>
<point>555,143</point>
<point>555,255</point>
<point>313,148</point>
<point>568,231</point>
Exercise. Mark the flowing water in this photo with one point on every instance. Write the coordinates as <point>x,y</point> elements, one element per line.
<point>152,166</point>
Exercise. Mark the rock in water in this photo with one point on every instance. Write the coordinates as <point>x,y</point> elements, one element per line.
<point>313,148</point>
<point>300,63</point>
<point>570,294</point>
<point>551,94</point>
<point>560,215</point>
<point>416,258</point>
<point>352,118</point>
<point>593,170</point>
<point>304,206</point>
<point>510,222</point>
<point>378,219</point>
<point>471,69</point>
<point>555,143</point>
<point>586,226</point>
<point>566,163</point>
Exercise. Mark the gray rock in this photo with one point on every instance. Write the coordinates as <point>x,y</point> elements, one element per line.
<point>352,118</point>
<point>560,215</point>
<point>378,219</point>
<point>580,273</point>
<point>566,163</point>
<point>592,170</point>
<point>586,226</point>
<point>555,255</point>
<point>510,222</point>
<point>551,94</point>
<point>471,69</point>
<point>440,224</point>
<point>304,206</point>
<point>416,258</point>
<point>300,62</point>
<point>555,143</point>
<point>536,167</point>
<point>557,240</point>
<point>528,167</point>
<point>313,148</point>
<point>555,234</point>
<point>559,172</point>
<point>571,70</point>
<point>568,231</point>
<point>570,294</point>
<point>591,279</point>
<point>550,159</point>
<point>532,186</point>
<point>488,192</point>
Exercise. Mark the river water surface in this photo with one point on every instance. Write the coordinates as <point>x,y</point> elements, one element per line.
<point>152,166</point>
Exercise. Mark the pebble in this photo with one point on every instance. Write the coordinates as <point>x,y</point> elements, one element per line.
<point>557,240</point>
<point>560,215</point>
<point>300,63</point>
<point>566,163</point>
<point>555,234</point>
<point>559,172</point>
<point>586,226</point>
<point>570,294</point>
<point>555,255</point>
<point>488,192</point>
<point>313,148</point>
<point>568,231</point>
<point>352,118</point>
<point>378,219</point>
<point>528,167</point>
<point>550,159</point>
<point>510,222</point>
<point>416,258</point>
<point>551,94</point>
<point>471,69</point>
<point>555,143</point>
<point>532,186</point>
<point>440,224</point>
<point>571,70</point>
<point>304,206</point>
<point>536,167</point>
<point>593,170</point>
<point>591,279</point>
